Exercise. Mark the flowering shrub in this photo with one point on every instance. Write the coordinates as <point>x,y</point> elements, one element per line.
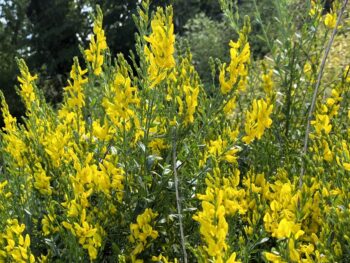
<point>143,163</point>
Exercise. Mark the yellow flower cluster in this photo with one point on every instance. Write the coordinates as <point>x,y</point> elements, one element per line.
<point>326,112</point>
<point>258,117</point>
<point>237,70</point>
<point>27,85</point>
<point>330,20</point>
<point>13,142</point>
<point>163,259</point>
<point>296,219</point>
<point>157,142</point>
<point>141,232</point>
<point>14,247</point>
<point>315,9</point>
<point>97,44</point>
<point>75,89</point>
<point>160,52</point>
<point>322,123</point>
<point>217,202</point>
<point>60,143</point>
<point>121,100</point>
<point>56,139</point>
<point>290,215</point>
<point>41,180</point>
<point>88,235</point>
<point>268,84</point>
<point>187,98</point>
<point>48,225</point>
<point>218,149</point>
<point>322,145</point>
<point>223,148</point>
<point>89,180</point>
<point>4,194</point>
<point>257,120</point>
<point>343,158</point>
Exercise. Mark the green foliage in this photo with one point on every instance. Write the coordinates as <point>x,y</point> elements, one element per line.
<point>56,30</point>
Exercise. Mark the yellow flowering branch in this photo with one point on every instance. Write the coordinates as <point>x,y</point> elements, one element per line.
<point>314,97</point>
<point>97,44</point>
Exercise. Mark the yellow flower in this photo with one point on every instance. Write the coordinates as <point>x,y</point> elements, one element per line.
<point>9,121</point>
<point>327,153</point>
<point>257,120</point>
<point>230,106</point>
<point>213,225</point>
<point>47,225</point>
<point>121,100</point>
<point>18,247</point>
<point>346,166</point>
<point>343,159</point>
<point>219,150</point>
<point>217,147</point>
<point>293,253</point>
<point>191,95</point>
<point>273,257</point>
<point>185,87</point>
<point>237,70</point>
<point>113,173</point>
<point>142,231</point>
<point>76,96</point>
<point>330,20</point>
<point>97,44</point>
<point>315,9</point>
<point>285,228</point>
<point>267,82</point>
<point>322,123</point>
<point>307,249</point>
<point>43,259</point>
<point>230,155</point>
<point>163,259</point>
<point>333,103</point>
<point>54,143</point>
<point>232,258</point>
<point>13,144</point>
<point>337,249</point>
<point>26,80</point>
<point>41,180</point>
<point>157,145</point>
<point>88,235</point>
<point>307,68</point>
<point>160,53</point>
<point>217,202</point>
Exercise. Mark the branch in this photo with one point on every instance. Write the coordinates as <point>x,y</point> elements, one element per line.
<point>178,203</point>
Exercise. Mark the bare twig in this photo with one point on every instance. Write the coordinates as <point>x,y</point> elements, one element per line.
<point>178,203</point>
<point>314,97</point>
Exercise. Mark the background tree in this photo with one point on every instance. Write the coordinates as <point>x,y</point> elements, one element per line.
<point>13,35</point>
<point>206,38</point>
<point>57,29</point>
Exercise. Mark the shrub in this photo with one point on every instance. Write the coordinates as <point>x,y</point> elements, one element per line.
<point>141,163</point>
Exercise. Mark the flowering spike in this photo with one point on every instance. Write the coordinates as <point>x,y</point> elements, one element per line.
<point>160,52</point>
<point>237,70</point>
<point>27,91</point>
<point>98,44</point>
<point>257,120</point>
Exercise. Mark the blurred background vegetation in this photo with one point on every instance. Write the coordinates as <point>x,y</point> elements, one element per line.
<point>47,34</point>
